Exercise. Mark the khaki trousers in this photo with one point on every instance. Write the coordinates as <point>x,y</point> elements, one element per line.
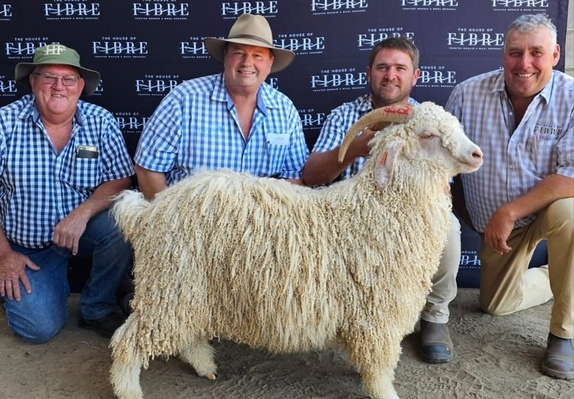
<point>506,283</point>
<point>444,281</point>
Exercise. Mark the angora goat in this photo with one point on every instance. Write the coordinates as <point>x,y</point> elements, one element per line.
<point>266,263</point>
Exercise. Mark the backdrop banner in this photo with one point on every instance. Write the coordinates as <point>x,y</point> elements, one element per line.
<point>144,48</point>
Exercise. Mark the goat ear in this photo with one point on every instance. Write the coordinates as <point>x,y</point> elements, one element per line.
<point>385,165</point>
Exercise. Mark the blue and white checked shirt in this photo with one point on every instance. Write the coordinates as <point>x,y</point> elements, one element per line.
<point>338,123</point>
<point>196,126</point>
<point>39,187</point>
<point>516,158</point>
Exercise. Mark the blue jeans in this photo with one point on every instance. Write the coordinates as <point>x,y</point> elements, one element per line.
<point>39,316</point>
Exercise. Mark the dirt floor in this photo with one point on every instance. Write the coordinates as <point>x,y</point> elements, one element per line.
<point>496,358</point>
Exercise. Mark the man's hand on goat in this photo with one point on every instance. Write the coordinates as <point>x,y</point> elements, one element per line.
<point>360,145</point>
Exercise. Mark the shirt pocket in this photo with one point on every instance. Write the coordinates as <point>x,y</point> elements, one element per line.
<point>542,153</point>
<point>277,147</point>
<point>85,173</point>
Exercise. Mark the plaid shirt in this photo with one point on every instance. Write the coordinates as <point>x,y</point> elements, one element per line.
<point>338,123</point>
<point>196,126</point>
<point>39,187</point>
<point>516,157</point>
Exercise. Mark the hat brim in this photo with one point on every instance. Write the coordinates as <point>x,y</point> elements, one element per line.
<point>91,77</point>
<point>282,58</point>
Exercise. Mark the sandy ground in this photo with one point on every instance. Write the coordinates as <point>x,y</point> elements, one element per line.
<point>496,357</point>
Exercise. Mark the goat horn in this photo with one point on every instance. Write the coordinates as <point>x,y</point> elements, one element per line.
<point>379,119</point>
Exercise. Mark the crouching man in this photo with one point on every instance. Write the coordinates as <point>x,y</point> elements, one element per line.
<point>61,160</point>
<point>521,117</point>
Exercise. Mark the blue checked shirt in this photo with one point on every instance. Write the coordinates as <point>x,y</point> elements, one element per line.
<point>39,187</point>
<point>196,126</point>
<point>516,158</point>
<point>336,125</point>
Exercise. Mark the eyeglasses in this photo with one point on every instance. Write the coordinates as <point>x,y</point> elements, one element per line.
<point>52,79</point>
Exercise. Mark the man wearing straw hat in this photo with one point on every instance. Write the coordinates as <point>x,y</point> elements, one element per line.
<point>231,120</point>
<point>61,160</point>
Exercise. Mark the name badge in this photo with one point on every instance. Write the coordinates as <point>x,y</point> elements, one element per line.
<point>87,151</point>
<point>278,138</point>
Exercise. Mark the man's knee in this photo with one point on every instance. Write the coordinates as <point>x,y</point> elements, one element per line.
<point>36,318</point>
<point>495,309</point>
<point>38,333</point>
<point>496,302</point>
<point>560,215</point>
<point>450,259</point>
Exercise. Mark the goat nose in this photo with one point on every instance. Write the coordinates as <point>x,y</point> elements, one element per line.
<point>477,153</point>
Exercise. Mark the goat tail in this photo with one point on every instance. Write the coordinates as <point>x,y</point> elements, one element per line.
<point>127,361</point>
<point>129,206</point>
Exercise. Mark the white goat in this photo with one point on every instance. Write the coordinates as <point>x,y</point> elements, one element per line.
<point>260,261</point>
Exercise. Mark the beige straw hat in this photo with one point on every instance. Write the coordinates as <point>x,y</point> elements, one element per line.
<point>251,30</point>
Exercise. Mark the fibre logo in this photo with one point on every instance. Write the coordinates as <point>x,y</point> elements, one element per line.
<point>436,76</point>
<point>5,12</point>
<point>312,119</point>
<point>366,41</point>
<point>236,8</point>
<point>119,47</point>
<point>301,43</point>
<point>99,90</point>
<point>469,259</point>
<point>520,5</point>
<point>156,85</point>
<point>193,48</point>
<point>475,39</point>
<point>131,122</point>
<point>273,82</point>
<point>68,10</point>
<point>429,5</point>
<point>338,79</point>
<point>160,11</point>
<point>321,7</point>
<point>23,48</point>
<point>7,87</point>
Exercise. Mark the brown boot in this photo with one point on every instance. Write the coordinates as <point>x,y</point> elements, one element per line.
<point>559,358</point>
<point>436,345</point>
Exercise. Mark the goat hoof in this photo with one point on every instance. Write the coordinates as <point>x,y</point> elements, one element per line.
<point>211,376</point>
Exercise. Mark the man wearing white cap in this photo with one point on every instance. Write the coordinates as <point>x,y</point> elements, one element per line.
<point>61,161</point>
<point>231,120</point>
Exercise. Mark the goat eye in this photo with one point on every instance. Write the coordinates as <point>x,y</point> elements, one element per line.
<point>428,137</point>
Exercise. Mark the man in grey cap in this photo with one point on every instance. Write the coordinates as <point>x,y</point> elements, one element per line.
<point>61,161</point>
<point>231,120</point>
